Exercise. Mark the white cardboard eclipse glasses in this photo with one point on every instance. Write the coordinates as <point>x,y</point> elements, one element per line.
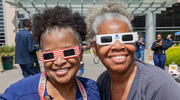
<point>107,39</point>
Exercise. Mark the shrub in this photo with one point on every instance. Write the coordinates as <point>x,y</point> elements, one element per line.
<point>7,49</point>
<point>173,55</point>
<point>175,45</point>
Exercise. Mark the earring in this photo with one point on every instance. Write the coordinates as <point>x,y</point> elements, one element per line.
<point>81,63</point>
<point>81,66</point>
<point>94,60</point>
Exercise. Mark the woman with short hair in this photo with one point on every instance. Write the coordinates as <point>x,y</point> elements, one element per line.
<point>60,33</point>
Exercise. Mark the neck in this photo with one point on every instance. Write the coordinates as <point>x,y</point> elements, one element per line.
<point>123,78</point>
<point>27,28</point>
<point>55,88</point>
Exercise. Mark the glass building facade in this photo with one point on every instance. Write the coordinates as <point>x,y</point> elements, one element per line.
<point>167,22</point>
<point>151,16</point>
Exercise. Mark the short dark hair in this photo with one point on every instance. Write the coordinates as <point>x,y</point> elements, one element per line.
<point>62,17</point>
<point>159,34</point>
<point>26,23</point>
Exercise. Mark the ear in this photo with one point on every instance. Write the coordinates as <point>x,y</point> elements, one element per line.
<point>82,52</point>
<point>94,48</point>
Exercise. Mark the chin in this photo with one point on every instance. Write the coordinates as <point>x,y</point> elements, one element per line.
<point>120,69</point>
<point>65,79</point>
<point>61,79</point>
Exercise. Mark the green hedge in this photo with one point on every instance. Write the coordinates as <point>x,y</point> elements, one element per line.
<point>173,55</point>
<point>7,50</point>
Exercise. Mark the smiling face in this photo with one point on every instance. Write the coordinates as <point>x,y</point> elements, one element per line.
<point>159,37</point>
<point>117,57</point>
<point>61,70</point>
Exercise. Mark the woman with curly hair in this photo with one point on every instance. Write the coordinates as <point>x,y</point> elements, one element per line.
<point>110,30</point>
<point>60,33</point>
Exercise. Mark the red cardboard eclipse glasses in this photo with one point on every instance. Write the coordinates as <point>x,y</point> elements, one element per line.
<point>65,53</point>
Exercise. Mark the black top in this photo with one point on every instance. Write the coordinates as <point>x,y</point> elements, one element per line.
<point>161,49</point>
<point>150,83</point>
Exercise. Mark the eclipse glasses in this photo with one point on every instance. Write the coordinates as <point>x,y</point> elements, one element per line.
<point>107,39</point>
<point>65,53</point>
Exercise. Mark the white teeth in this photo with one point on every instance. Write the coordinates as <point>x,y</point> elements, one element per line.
<point>118,57</point>
<point>61,70</point>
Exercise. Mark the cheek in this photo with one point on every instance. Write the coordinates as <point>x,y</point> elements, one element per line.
<point>47,65</point>
<point>131,48</point>
<point>75,62</point>
<point>102,50</point>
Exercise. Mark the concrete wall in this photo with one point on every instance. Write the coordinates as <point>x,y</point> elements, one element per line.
<point>10,24</point>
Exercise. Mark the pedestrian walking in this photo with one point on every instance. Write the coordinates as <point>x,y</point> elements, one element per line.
<point>126,78</point>
<point>25,51</point>
<point>169,41</point>
<point>159,47</point>
<point>60,33</point>
<point>140,46</point>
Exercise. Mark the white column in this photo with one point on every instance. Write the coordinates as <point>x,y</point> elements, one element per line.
<point>150,29</point>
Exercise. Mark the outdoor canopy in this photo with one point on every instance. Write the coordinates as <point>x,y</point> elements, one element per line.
<point>177,33</point>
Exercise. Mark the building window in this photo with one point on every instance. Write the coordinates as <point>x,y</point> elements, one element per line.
<point>1,26</point>
<point>139,21</point>
<point>170,17</point>
<point>21,18</point>
<point>2,34</point>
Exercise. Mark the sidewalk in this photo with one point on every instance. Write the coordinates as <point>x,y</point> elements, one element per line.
<point>7,77</point>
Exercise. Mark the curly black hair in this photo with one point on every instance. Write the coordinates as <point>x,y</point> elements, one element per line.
<point>57,17</point>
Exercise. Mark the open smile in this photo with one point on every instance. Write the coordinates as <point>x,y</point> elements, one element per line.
<point>118,59</point>
<point>62,71</point>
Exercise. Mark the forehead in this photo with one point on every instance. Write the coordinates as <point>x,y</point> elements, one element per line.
<point>158,36</point>
<point>59,38</point>
<point>113,26</point>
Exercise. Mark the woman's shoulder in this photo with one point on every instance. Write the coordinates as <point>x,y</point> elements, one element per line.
<point>90,87</point>
<point>151,74</point>
<point>88,83</point>
<point>103,78</point>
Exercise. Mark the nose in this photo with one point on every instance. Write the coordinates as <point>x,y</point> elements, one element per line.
<point>117,46</point>
<point>60,61</point>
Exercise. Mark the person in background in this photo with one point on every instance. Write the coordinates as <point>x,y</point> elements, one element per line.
<point>126,78</point>
<point>159,47</point>
<point>169,41</point>
<point>25,51</point>
<point>140,46</point>
<point>60,33</point>
<point>137,49</point>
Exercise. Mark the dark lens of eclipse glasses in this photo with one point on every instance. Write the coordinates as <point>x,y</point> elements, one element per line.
<point>47,56</point>
<point>69,52</point>
<point>106,39</point>
<point>127,37</point>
